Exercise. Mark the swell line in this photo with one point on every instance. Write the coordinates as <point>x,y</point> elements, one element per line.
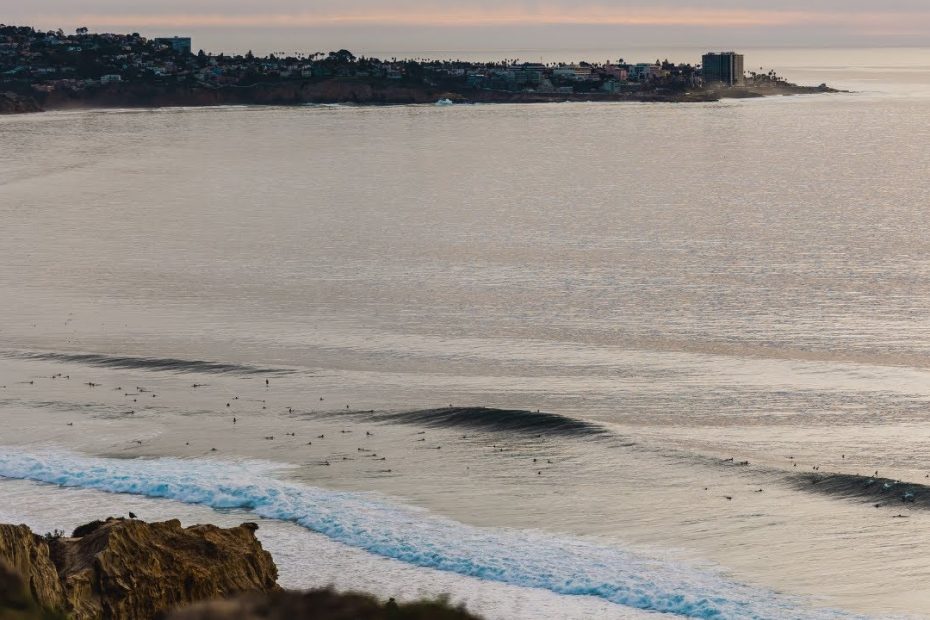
<point>165,364</point>
<point>489,419</point>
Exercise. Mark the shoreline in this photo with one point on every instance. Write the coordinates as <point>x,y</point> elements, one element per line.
<point>359,93</point>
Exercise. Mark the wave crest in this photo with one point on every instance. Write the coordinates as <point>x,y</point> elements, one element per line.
<point>523,558</point>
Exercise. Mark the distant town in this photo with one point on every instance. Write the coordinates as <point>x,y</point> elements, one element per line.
<point>54,70</point>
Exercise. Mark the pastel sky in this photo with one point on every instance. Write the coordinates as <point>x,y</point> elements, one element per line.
<point>411,25</point>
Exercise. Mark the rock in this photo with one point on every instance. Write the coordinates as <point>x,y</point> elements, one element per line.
<point>122,569</point>
<point>16,602</point>
<point>320,605</point>
<point>28,554</point>
<point>126,569</point>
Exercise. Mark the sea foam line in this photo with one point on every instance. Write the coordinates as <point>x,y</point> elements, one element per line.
<point>523,558</point>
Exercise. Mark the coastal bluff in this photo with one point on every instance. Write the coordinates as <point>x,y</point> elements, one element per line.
<point>359,93</point>
<point>132,570</point>
<point>11,103</point>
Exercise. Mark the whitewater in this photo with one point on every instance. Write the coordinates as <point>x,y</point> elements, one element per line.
<point>572,567</point>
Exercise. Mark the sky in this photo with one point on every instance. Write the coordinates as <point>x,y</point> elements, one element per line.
<point>424,26</point>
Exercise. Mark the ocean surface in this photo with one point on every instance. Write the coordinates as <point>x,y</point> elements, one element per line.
<point>562,361</point>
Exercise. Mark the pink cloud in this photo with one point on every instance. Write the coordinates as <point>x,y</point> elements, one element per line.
<point>597,15</point>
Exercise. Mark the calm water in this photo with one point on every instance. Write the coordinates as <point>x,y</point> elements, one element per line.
<point>676,285</point>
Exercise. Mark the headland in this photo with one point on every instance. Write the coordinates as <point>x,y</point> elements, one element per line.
<point>55,71</point>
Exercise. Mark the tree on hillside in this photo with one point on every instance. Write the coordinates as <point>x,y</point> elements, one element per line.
<point>342,57</point>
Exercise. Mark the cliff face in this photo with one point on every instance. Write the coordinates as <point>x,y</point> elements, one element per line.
<point>17,602</point>
<point>283,93</point>
<point>131,570</point>
<point>14,104</point>
<point>28,554</point>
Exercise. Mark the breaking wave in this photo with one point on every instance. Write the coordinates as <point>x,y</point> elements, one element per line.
<point>531,559</point>
<point>148,363</point>
<point>483,418</point>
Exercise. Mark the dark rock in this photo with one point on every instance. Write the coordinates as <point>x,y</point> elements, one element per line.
<point>320,605</point>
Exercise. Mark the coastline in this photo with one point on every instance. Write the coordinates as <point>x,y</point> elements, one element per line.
<point>357,92</point>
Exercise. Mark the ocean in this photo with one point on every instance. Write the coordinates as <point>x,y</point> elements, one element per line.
<point>573,360</point>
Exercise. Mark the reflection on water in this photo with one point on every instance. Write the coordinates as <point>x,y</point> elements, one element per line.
<point>743,280</point>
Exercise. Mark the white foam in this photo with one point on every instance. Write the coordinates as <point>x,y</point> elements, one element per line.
<point>561,565</point>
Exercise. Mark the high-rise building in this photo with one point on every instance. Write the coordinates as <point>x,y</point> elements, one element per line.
<point>726,67</point>
<point>181,45</point>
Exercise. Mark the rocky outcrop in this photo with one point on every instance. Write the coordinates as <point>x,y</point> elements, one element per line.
<point>123,569</point>
<point>11,103</point>
<point>28,554</point>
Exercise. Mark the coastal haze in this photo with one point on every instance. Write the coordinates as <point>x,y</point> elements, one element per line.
<point>480,25</point>
<point>683,319</point>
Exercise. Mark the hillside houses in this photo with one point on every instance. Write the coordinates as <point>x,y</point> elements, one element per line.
<point>36,61</point>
